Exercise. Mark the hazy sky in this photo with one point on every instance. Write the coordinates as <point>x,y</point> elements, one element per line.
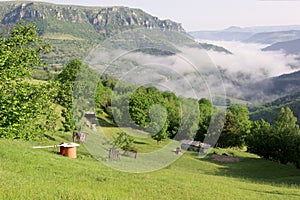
<point>211,14</point>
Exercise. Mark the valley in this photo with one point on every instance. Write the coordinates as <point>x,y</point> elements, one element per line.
<point>157,111</point>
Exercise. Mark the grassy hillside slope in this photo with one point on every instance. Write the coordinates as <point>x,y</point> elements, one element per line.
<point>27,173</point>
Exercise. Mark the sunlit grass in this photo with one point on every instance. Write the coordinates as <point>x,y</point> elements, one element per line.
<point>27,173</point>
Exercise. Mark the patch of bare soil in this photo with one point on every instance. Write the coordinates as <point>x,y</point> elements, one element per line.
<point>224,158</point>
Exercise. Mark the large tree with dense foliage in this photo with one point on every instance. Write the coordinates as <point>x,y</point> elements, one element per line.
<point>189,121</point>
<point>279,142</point>
<point>26,106</point>
<point>158,128</point>
<point>174,113</point>
<point>285,132</point>
<point>241,118</point>
<point>259,140</point>
<point>77,87</point>
<point>236,127</point>
<point>229,136</point>
<point>66,81</point>
<point>206,110</point>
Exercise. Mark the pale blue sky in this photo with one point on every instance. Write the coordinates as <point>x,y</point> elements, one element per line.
<point>210,14</point>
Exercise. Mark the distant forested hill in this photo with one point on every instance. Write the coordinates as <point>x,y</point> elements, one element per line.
<point>74,30</point>
<point>269,110</point>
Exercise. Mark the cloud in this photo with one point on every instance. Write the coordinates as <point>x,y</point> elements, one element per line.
<point>194,72</point>
<point>189,73</point>
<point>249,60</point>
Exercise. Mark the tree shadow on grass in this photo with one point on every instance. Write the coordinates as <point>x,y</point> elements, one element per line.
<point>49,137</point>
<point>104,123</point>
<point>257,170</point>
<point>139,142</point>
<point>272,192</point>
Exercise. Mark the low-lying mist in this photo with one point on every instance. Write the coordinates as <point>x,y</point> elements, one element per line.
<point>250,60</point>
<point>188,70</point>
<point>247,72</point>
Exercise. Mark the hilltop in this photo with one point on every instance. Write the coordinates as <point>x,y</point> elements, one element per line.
<point>73,31</point>
<point>102,20</point>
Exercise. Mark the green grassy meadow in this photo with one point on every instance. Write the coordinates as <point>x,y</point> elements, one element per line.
<point>27,173</point>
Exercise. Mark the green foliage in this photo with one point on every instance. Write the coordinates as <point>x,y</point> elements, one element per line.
<point>259,141</point>
<point>103,96</point>
<point>236,128</point>
<point>241,117</point>
<point>206,109</point>
<point>173,108</point>
<point>216,127</point>
<point>123,141</point>
<point>159,123</point>
<point>229,136</point>
<point>26,108</point>
<point>279,142</point>
<point>285,131</point>
<point>66,80</point>
<point>68,123</point>
<point>20,51</point>
<point>162,114</point>
<point>189,118</point>
<point>140,103</point>
<point>77,85</point>
<point>268,111</point>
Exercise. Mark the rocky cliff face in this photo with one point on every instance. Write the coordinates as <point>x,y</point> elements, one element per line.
<point>101,18</point>
<point>74,30</point>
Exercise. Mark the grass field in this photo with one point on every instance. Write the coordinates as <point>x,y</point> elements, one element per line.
<point>27,173</point>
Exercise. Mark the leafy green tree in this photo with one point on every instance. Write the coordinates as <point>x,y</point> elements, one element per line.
<point>140,103</point>
<point>20,52</point>
<point>216,127</point>
<point>123,141</point>
<point>189,118</point>
<point>241,118</point>
<point>118,110</point>
<point>26,107</point>
<point>206,109</point>
<point>229,136</point>
<point>173,108</point>
<point>162,134</point>
<point>77,86</point>
<point>103,97</point>
<point>295,152</point>
<point>158,127</point>
<point>236,127</point>
<point>280,142</point>
<point>68,122</point>
<point>67,79</point>
<point>285,131</point>
<point>259,141</point>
